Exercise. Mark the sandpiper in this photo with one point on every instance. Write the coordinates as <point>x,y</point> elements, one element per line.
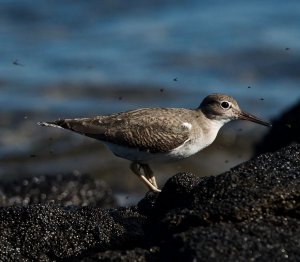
<point>148,134</point>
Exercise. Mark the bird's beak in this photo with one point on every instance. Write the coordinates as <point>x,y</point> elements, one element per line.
<point>252,118</point>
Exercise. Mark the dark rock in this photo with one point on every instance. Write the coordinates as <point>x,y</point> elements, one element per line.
<point>145,206</point>
<point>272,238</point>
<point>285,130</point>
<point>137,254</point>
<point>48,231</point>
<point>176,192</point>
<point>73,189</point>
<point>251,212</point>
<point>267,185</point>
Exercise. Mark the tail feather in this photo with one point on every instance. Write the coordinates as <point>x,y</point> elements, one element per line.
<point>85,126</point>
<point>57,124</point>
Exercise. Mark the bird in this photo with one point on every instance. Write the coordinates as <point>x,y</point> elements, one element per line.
<point>148,134</point>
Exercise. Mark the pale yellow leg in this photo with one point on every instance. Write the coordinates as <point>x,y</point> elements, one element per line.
<point>149,174</point>
<point>148,179</point>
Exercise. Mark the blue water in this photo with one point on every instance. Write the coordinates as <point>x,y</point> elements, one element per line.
<point>207,45</point>
<point>79,58</point>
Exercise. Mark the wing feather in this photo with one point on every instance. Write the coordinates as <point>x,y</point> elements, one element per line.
<point>146,129</point>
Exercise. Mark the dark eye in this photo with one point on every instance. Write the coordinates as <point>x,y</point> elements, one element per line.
<point>225,105</point>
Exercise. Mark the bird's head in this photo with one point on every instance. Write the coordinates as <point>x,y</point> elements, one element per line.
<point>224,108</point>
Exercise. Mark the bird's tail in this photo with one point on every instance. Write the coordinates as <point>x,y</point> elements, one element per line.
<point>85,126</point>
<point>57,123</point>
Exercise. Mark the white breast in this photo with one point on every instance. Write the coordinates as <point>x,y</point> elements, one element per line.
<point>202,140</point>
<point>190,147</point>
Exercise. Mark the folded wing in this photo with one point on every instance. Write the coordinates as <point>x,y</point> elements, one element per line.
<point>145,129</point>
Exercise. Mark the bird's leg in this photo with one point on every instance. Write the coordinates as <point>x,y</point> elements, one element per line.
<point>135,167</point>
<point>149,174</point>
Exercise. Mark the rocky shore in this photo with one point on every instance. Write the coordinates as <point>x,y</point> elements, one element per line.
<point>251,212</point>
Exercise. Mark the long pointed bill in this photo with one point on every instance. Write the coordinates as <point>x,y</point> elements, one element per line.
<point>252,118</point>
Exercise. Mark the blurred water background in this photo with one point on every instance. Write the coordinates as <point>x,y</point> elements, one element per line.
<point>66,58</point>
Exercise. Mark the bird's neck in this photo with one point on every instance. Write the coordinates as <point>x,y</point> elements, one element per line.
<point>209,124</point>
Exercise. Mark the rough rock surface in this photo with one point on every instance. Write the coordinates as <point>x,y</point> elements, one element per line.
<point>73,189</point>
<point>251,212</point>
<point>47,232</point>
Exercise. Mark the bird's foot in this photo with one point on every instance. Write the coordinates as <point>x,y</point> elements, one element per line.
<point>148,178</point>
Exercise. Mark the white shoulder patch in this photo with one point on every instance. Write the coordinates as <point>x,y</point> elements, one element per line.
<point>187,125</point>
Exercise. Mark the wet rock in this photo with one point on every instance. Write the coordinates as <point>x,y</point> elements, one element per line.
<point>285,130</point>
<point>145,206</point>
<point>251,212</point>
<point>74,189</point>
<point>40,232</point>
<point>267,185</point>
<point>273,238</point>
<point>137,254</point>
<point>176,192</point>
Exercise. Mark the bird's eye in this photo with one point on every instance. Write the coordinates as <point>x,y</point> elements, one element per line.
<point>225,105</point>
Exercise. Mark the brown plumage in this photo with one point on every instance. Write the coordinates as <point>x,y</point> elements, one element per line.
<point>152,129</point>
<point>157,133</point>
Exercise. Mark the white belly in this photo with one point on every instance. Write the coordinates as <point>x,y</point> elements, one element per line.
<point>185,150</point>
<point>133,154</point>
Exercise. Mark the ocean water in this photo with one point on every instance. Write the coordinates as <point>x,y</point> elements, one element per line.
<point>82,58</point>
